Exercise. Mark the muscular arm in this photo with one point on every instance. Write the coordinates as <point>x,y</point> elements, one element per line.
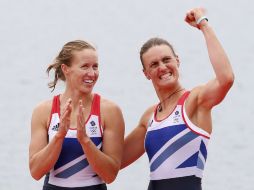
<point>43,155</point>
<point>215,90</point>
<point>106,163</point>
<point>134,142</point>
<point>134,145</point>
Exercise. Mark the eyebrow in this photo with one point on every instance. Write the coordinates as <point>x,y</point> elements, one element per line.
<point>153,62</point>
<point>163,59</point>
<point>166,57</point>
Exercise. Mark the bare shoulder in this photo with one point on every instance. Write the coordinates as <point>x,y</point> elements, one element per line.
<point>146,116</point>
<point>194,100</point>
<point>108,105</point>
<point>42,111</point>
<point>111,114</point>
<point>110,110</point>
<point>194,94</point>
<point>43,106</point>
<point>149,111</point>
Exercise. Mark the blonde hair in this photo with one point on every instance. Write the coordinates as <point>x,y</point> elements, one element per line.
<point>65,57</point>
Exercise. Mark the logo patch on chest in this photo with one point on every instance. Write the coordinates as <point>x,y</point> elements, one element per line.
<point>176,117</point>
<point>92,128</point>
<point>150,124</point>
<point>55,127</point>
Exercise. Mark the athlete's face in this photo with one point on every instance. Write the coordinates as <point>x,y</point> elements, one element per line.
<point>83,72</point>
<point>161,66</point>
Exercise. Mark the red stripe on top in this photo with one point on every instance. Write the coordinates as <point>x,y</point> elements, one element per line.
<point>95,108</point>
<point>182,100</point>
<point>55,108</point>
<point>96,105</point>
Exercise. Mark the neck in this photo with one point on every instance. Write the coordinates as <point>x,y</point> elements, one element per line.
<point>162,105</point>
<point>76,96</point>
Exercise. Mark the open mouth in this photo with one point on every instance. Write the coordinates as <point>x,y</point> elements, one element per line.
<point>88,81</point>
<point>166,76</point>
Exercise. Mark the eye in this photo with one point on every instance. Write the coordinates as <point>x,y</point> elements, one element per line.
<point>154,64</point>
<point>95,67</point>
<point>167,60</point>
<point>85,66</point>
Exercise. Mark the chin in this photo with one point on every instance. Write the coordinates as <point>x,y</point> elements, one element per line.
<point>166,85</point>
<point>87,90</point>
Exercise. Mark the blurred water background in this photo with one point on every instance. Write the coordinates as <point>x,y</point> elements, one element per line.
<point>32,33</point>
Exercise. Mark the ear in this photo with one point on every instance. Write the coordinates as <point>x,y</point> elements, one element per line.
<point>146,74</point>
<point>65,69</point>
<point>178,61</point>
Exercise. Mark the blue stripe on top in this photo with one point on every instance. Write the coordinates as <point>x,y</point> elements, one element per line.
<point>203,149</point>
<point>71,149</point>
<point>170,150</point>
<point>73,169</point>
<point>96,140</point>
<point>191,161</point>
<point>155,139</point>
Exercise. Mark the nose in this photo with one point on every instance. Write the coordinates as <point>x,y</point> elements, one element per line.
<point>90,71</point>
<point>162,66</point>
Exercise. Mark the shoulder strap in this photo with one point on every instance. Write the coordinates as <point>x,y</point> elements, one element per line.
<point>183,98</point>
<point>95,110</point>
<point>55,106</point>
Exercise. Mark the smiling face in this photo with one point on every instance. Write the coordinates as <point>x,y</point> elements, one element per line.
<point>83,72</point>
<point>161,66</point>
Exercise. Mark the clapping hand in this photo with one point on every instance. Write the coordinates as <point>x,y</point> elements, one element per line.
<point>64,124</point>
<point>81,129</point>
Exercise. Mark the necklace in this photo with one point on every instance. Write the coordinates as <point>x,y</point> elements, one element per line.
<point>175,92</point>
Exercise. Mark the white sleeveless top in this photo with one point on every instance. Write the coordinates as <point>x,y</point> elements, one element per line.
<point>175,146</point>
<point>72,168</point>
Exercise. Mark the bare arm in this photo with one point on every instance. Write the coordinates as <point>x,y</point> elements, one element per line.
<point>133,146</point>
<point>43,155</point>
<point>105,163</point>
<point>215,90</point>
<point>134,142</point>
